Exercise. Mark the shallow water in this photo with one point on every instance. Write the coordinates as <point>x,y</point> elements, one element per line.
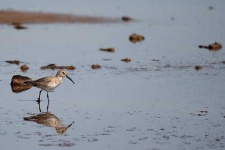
<point>157,101</point>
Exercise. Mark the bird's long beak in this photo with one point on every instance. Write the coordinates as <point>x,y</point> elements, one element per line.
<point>70,125</point>
<point>70,79</point>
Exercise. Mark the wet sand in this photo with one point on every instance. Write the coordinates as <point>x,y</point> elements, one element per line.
<point>169,94</point>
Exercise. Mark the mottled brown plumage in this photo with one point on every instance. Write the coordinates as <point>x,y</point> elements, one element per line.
<point>48,84</point>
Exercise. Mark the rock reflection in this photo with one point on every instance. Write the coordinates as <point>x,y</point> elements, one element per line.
<point>19,88</point>
<point>49,120</point>
<point>18,83</point>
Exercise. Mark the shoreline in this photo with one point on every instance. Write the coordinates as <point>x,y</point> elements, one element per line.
<point>28,17</point>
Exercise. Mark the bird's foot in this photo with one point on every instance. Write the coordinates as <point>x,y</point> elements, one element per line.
<point>38,100</point>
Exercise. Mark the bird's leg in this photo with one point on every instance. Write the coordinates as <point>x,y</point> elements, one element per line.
<point>38,100</point>
<point>48,102</point>
<point>39,105</point>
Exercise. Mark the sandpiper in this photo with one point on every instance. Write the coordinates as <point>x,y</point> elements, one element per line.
<point>48,84</point>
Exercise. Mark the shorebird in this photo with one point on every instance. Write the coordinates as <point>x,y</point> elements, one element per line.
<point>48,84</point>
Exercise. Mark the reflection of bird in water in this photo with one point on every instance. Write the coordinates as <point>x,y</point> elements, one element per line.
<point>50,120</point>
<point>48,84</point>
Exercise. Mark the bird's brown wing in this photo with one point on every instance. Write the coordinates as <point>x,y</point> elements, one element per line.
<point>41,82</point>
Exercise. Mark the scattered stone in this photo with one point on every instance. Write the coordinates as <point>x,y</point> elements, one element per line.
<point>20,88</point>
<point>50,66</point>
<point>111,50</point>
<point>24,68</point>
<point>136,38</point>
<point>70,67</point>
<point>17,62</point>
<point>212,47</point>
<point>95,66</point>
<point>215,47</point>
<point>53,67</point>
<point>198,67</point>
<point>126,60</point>
<point>126,18</point>
<point>18,26</point>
